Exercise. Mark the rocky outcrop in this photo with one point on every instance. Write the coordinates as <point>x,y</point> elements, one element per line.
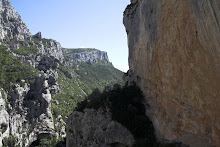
<point>90,56</point>
<point>53,48</point>
<point>39,103</point>
<point>38,36</point>
<point>47,62</point>
<point>59,122</point>
<point>49,54</point>
<point>30,109</point>
<point>174,56</point>
<point>11,25</point>
<point>14,34</point>
<point>4,119</point>
<point>93,128</point>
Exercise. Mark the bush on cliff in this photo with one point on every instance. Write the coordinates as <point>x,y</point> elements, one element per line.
<point>127,108</point>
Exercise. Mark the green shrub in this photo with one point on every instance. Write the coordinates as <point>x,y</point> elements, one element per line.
<point>10,142</point>
<point>71,51</point>
<point>48,142</point>
<point>13,20</point>
<point>26,50</point>
<point>127,108</point>
<point>98,75</point>
<point>3,128</point>
<point>46,41</point>
<point>5,20</point>
<point>35,40</point>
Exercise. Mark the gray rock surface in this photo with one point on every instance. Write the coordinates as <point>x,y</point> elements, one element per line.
<point>30,112</point>
<point>93,128</point>
<point>59,122</point>
<point>4,119</point>
<point>11,25</point>
<point>53,48</point>
<point>88,56</point>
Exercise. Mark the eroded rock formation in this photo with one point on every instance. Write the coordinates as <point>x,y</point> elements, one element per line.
<point>174,56</point>
<point>29,110</point>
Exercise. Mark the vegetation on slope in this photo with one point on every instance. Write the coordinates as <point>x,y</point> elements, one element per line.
<point>69,95</point>
<point>70,51</point>
<point>48,142</point>
<point>80,80</point>
<point>26,50</point>
<point>13,70</point>
<point>31,47</point>
<point>98,75</point>
<point>10,142</point>
<point>28,47</point>
<point>46,42</point>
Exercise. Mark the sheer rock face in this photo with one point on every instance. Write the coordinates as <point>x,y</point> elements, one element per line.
<point>88,56</point>
<point>91,57</point>
<point>174,56</point>
<point>93,128</point>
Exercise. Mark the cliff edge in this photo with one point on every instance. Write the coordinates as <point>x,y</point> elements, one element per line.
<point>174,56</point>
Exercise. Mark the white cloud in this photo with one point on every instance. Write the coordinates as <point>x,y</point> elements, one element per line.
<point>82,46</point>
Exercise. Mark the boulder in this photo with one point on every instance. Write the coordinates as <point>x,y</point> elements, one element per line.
<point>94,128</point>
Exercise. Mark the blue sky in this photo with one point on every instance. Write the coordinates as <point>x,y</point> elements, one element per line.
<point>80,23</point>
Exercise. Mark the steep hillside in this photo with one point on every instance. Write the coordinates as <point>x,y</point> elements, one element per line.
<point>79,77</point>
<point>39,85</point>
<point>174,56</point>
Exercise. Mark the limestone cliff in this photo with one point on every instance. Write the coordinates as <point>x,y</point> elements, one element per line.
<point>174,56</point>
<point>90,56</point>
